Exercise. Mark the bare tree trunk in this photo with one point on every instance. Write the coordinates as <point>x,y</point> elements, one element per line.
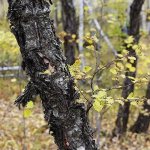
<point>49,76</point>
<point>2,12</point>
<point>99,28</point>
<point>134,28</point>
<point>143,121</point>
<point>70,26</point>
<point>56,20</point>
<point>81,31</point>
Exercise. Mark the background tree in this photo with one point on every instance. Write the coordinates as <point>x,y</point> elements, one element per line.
<point>143,120</point>
<point>2,13</point>
<point>70,26</point>
<point>134,29</point>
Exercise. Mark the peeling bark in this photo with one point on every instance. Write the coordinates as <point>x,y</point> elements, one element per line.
<point>49,76</point>
<point>134,29</point>
<point>143,121</point>
<point>70,26</point>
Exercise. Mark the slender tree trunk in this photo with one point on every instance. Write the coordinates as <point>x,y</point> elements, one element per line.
<point>81,31</point>
<point>2,13</point>
<point>49,76</point>
<point>134,28</point>
<point>143,121</point>
<point>56,20</point>
<point>99,28</point>
<point>70,26</point>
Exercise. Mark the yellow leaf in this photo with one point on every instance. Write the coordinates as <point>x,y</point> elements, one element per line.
<point>27,113</point>
<point>134,103</point>
<point>100,95</point>
<point>88,77</point>
<point>132,78</point>
<point>96,87</point>
<point>110,100</point>
<point>123,76</point>
<point>30,105</point>
<point>91,47</point>
<point>129,40</point>
<point>73,36</point>
<point>120,102</point>
<point>97,106</point>
<point>47,72</point>
<point>132,58</point>
<point>120,55</point>
<point>120,65</point>
<point>87,69</point>
<point>86,8</point>
<point>128,65</point>
<point>130,95</point>
<point>13,80</point>
<point>113,71</point>
<point>132,69</point>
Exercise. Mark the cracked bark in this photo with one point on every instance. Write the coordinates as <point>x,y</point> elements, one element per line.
<point>70,26</point>
<point>134,29</point>
<point>41,53</point>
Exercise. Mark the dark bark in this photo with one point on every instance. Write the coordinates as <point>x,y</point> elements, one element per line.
<point>143,121</point>
<point>70,26</point>
<point>41,52</point>
<point>134,29</point>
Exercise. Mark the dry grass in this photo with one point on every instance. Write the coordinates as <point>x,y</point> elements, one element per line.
<point>17,133</point>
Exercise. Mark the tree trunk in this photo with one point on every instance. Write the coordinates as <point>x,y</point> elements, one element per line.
<point>2,13</point>
<point>81,32</point>
<point>143,121</point>
<point>70,26</point>
<point>134,28</point>
<point>49,76</point>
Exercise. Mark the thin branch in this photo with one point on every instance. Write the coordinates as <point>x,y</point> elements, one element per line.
<point>101,32</point>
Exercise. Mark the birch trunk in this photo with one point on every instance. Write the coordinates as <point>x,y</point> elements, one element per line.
<point>49,75</point>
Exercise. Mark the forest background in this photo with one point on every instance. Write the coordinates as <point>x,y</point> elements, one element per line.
<point>97,44</point>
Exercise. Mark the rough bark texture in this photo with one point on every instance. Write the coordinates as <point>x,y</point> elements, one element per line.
<point>49,76</point>
<point>134,29</point>
<point>143,121</point>
<point>70,26</point>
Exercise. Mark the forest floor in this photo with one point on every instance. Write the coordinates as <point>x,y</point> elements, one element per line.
<point>19,133</point>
